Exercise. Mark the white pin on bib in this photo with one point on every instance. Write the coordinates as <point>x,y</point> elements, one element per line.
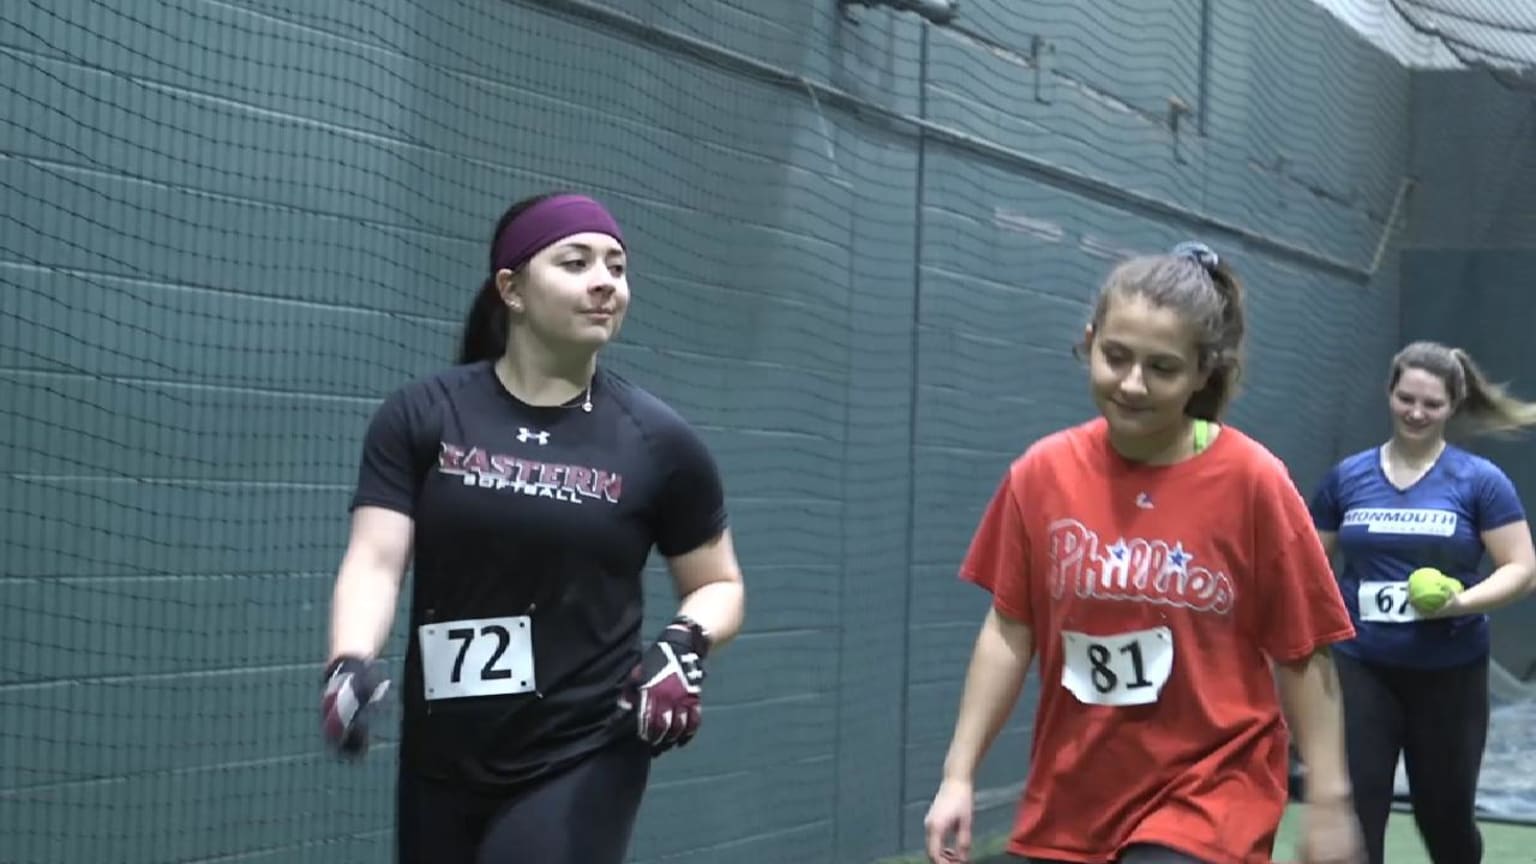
<point>480,657</point>
<point>1386,603</point>
<point>1119,669</point>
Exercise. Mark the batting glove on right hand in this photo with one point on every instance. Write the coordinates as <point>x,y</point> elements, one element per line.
<point>352,686</point>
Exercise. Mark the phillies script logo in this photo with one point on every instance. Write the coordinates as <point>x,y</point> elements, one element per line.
<point>1142,571</point>
<point>572,483</point>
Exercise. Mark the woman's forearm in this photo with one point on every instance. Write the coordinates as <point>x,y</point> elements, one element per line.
<point>362,610</point>
<point>368,581</point>
<point>1309,692</point>
<point>1503,586</point>
<point>992,684</point>
<point>718,607</point>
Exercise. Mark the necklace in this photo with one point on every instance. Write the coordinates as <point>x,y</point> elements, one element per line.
<point>586,393</point>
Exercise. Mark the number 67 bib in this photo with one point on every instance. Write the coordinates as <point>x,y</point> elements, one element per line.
<point>1118,669</point>
<point>1386,602</point>
<point>479,657</point>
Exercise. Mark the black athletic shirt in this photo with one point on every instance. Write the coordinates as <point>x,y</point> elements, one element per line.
<point>548,512</point>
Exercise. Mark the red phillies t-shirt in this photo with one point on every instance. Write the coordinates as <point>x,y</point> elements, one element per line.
<point>1157,596</point>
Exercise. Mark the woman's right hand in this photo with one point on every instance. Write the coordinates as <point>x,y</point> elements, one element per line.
<point>950,813</point>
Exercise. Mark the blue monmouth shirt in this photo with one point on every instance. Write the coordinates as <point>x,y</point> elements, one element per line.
<point>1385,533</point>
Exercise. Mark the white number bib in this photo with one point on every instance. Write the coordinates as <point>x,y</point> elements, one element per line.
<point>1386,602</point>
<point>480,657</point>
<point>1120,669</point>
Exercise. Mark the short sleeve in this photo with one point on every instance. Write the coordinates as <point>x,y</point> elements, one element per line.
<point>1324,507</point>
<point>1294,606</point>
<point>691,509</point>
<point>393,462</point>
<point>1498,504</point>
<point>998,557</point>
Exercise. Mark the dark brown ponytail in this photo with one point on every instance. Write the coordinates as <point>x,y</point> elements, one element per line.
<point>1224,354</point>
<point>486,326</point>
<point>484,336</point>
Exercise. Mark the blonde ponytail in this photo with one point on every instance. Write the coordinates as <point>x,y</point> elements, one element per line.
<point>1488,407</point>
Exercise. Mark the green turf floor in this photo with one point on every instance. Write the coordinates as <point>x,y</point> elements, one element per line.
<point>1502,843</point>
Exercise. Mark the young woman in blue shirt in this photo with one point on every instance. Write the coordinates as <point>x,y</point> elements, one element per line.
<point>1410,521</point>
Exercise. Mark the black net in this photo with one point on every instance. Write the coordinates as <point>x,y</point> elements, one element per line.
<point>863,244</point>
<point>1488,163</point>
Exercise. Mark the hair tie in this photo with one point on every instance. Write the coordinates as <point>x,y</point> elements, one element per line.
<point>1198,252</point>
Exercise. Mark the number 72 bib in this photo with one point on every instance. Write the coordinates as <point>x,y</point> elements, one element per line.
<point>1119,669</point>
<point>478,657</point>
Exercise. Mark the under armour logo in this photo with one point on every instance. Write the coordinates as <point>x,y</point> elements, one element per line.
<point>1144,501</point>
<point>524,434</point>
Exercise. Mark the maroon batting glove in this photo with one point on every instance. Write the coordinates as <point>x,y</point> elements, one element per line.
<point>352,686</point>
<point>663,689</point>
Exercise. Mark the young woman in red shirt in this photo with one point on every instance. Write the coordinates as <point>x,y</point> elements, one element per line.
<point>1162,569</point>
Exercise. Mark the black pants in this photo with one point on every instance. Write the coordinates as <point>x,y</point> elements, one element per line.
<point>583,815</point>
<point>1138,854</point>
<point>1437,719</point>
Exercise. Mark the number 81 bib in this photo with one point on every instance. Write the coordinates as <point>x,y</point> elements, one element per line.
<point>480,657</point>
<point>1118,669</point>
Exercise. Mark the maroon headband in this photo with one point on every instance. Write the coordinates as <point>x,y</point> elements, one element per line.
<point>548,221</point>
